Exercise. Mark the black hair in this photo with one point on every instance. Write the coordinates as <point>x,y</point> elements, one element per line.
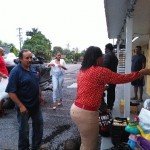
<point>90,57</point>
<point>109,46</point>
<point>21,53</point>
<point>139,47</point>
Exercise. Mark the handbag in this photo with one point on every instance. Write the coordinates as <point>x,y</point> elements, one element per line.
<point>105,118</point>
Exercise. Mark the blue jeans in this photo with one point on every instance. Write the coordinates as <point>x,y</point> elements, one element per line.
<point>37,129</point>
<point>57,79</point>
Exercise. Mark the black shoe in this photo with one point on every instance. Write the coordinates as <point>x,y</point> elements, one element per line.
<point>134,104</point>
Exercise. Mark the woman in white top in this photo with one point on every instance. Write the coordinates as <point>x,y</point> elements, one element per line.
<point>57,70</point>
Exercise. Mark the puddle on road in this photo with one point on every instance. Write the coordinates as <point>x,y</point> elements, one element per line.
<point>58,131</point>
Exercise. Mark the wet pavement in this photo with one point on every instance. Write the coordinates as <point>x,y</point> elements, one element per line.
<point>58,126</point>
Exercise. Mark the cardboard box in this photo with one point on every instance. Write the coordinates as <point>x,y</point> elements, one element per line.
<point>134,109</point>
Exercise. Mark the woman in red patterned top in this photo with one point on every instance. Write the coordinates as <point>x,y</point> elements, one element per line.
<point>3,69</point>
<point>91,82</point>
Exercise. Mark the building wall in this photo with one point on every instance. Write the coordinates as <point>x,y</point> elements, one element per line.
<point>147,54</point>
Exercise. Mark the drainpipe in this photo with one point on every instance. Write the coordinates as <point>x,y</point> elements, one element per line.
<point>127,87</point>
<point>118,45</point>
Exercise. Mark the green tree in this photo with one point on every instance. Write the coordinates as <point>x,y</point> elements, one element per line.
<point>82,53</point>
<point>33,32</point>
<point>76,56</point>
<point>38,44</point>
<point>57,49</point>
<point>10,46</point>
<point>66,51</point>
<point>14,50</point>
<point>70,55</point>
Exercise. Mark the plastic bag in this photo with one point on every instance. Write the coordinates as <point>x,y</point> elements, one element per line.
<point>105,119</point>
<point>143,143</point>
<point>144,120</point>
<point>3,84</point>
<point>146,104</point>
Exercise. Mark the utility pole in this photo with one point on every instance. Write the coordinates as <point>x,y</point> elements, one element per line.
<point>68,46</point>
<point>20,37</point>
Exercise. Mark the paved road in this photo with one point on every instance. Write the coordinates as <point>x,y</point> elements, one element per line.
<point>58,126</point>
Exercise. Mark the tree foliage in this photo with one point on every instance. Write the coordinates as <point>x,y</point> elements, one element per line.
<point>66,51</point>
<point>14,50</point>
<point>10,46</point>
<point>57,49</point>
<point>33,32</point>
<point>38,44</point>
<point>82,53</point>
<point>76,56</point>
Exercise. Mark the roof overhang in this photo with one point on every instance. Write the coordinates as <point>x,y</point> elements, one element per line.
<point>116,12</point>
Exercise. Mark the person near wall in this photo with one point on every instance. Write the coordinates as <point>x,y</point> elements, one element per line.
<point>23,89</point>
<point>91,82</point>
<point>57,71</point>
<point>110,62</point>
<point>138,63</point>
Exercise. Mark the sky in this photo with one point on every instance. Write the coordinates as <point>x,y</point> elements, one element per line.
<point>79,23</point>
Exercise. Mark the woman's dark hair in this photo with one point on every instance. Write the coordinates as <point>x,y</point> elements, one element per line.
<point>139,47</point>
<point>21,53</point>
<point>90,57</point>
